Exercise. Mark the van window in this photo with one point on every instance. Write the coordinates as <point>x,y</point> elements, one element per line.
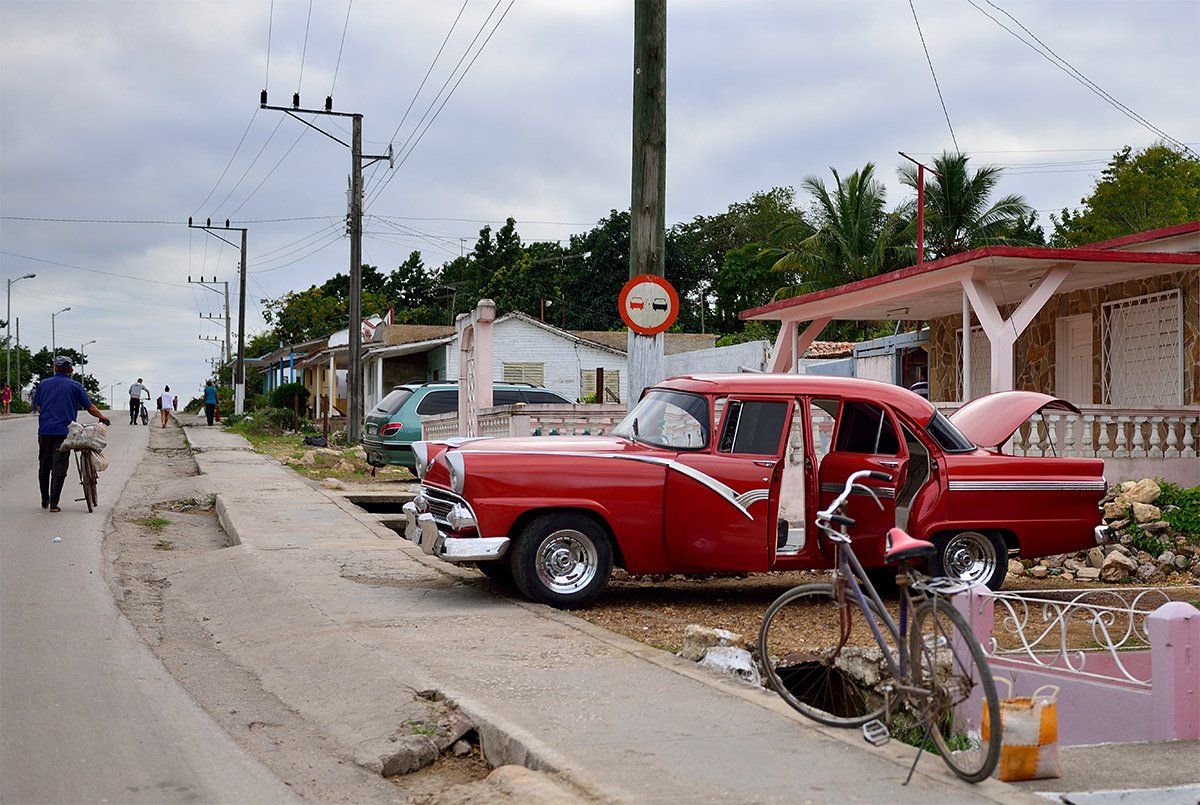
<point>438,402</point>
<point>505,397</point>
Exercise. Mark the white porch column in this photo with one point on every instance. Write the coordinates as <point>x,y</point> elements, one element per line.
<point>1002,333</point>
<point>790,344</point>
<point>378,379</point>
<point>966,347</point>
<point>332,382</point>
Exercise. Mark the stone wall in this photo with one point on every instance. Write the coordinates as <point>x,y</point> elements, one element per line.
<point>1034,358</point>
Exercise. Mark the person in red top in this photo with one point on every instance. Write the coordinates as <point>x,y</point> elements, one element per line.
<point>6,397</point>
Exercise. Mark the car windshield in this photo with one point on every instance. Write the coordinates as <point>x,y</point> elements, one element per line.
<point>668,419</point>
<point>391,403</point>
<point>947,436</point>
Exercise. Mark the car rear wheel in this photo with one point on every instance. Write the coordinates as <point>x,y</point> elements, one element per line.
<point>562,559</point>
<point>972,556</point>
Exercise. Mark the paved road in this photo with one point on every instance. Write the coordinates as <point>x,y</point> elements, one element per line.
<point>87,713</point>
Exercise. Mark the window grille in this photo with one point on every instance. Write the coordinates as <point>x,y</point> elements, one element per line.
<point>612,384</point>
<point>532,373</point>
<point>1141,346</point>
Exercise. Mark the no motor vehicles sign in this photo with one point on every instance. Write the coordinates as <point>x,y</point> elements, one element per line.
<point>648,304</point>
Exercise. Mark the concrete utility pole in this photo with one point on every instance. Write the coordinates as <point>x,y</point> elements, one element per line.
<point>239,372</point>
<point>228,321</point>
<point>8,335</point>
<point>354,413</point>
<point>647,218</point>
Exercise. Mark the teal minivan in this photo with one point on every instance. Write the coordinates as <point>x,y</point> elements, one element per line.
<point>392,426</point>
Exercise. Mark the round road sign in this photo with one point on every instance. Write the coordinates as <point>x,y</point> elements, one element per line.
<point>648,304</point>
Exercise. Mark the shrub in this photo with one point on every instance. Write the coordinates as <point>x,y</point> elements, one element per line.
<point>289,395</point>
<point>18,406</point>
<point>1181,509</point>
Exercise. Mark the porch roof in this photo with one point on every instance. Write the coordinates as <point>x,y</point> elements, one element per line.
<point>935,289</point>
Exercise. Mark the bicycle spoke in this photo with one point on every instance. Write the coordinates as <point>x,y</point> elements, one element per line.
<point>948,661</point>
<point>823,659</point>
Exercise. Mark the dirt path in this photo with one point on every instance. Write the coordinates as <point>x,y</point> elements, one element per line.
<point>165,517</point>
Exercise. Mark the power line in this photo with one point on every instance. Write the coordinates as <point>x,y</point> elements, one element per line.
<point>933,72</point>
<point>91,270</point>
<point>337,65</point>
<point>304,49</point>
<point>1049,55</point>
<point>229,163</point>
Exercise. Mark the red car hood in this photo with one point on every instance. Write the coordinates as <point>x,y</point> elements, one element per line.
<point>990,420</point>
<point>551,444</point>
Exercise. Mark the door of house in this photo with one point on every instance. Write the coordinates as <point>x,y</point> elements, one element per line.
<point>1073,359</point>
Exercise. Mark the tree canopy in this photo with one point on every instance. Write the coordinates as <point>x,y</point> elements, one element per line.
<point>1149,189</point>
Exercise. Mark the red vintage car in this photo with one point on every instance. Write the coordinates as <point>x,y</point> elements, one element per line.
<point>712,473</point>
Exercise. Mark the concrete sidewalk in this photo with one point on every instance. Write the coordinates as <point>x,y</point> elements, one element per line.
<point>346,623</point>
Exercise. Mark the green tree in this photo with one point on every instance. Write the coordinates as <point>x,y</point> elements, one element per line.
<point>958,213</point>
<point>41,366</point>
<point>1149,189</point>
<point>413,290</point>
<point>851,236</point>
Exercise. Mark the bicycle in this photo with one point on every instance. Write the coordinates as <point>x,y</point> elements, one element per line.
<point>913,677</point>
<point>144,413</point>
<point>85,462</point>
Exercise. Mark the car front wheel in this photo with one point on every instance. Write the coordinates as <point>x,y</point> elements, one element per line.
<point>562,559</point>
<point>972,556</point>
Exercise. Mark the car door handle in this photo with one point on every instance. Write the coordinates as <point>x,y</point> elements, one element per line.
<point>764,463</point>
<point>891,464</point>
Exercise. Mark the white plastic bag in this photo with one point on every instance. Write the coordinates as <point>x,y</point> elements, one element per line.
<point>93,437</point>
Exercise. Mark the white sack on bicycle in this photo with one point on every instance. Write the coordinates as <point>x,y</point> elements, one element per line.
<point>79,437</point>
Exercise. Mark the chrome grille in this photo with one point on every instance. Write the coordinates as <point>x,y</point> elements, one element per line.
<point>440,502</point>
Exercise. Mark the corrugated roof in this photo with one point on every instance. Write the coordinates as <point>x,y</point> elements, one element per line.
<point>830,349</point>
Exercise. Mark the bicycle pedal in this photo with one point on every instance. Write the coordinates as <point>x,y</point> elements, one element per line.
<point>875,732</point>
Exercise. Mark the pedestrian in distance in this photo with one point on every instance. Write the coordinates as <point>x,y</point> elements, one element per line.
<point>58,401</point>
<point>6,397</point>
<point>135,400</point>
<point>168,402</point>
<point>210,401</point>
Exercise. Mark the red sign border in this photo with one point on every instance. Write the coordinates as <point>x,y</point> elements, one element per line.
<point>628,289</point>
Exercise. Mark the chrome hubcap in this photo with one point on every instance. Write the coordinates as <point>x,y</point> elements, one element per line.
<point>566,561</point>
<point>970,556</point>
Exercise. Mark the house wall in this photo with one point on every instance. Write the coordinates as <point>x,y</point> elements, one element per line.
<point>515,341</point>
<point>754,356</point>
<point>1034,358</point>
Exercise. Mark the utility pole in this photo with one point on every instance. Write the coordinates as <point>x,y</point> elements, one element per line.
<point>239,373</point>
<point>647,215</point>
<point>228,321</point>
<point>354,413</point>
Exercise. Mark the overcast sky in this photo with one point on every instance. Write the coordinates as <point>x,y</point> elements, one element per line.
<point>119,119</point>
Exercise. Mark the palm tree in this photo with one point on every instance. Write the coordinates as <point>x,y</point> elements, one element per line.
<point>852,236</point>
<point>957,215</point>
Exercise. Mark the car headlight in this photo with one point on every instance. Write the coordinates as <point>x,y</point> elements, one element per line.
<point>458,471</point>
<point>421,455</point>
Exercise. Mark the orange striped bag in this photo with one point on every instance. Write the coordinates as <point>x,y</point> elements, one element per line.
<point>1028,734</point>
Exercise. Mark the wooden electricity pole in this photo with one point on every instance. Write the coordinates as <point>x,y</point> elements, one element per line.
<point>647,216</point>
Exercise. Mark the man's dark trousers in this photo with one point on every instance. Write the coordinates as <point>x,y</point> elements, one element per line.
<point>52,467</point>
<point>135,408</point>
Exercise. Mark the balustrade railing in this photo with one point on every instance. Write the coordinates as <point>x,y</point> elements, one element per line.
<point>1107,433</point>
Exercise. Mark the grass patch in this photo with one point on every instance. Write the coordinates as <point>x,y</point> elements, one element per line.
<point>164,545</point>
<point>153,523</point>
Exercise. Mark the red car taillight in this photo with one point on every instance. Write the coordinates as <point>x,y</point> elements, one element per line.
<point>391,429</point>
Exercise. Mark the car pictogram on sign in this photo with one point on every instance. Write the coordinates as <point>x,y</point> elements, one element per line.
<point>659,304</point>
<point>637,303</point>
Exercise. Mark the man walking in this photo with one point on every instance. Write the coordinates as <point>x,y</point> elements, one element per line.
<point>59,399</point>
<point>135,400</point>
<point>210,401</point>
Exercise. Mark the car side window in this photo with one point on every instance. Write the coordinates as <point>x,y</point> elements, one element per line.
<point>506,397</point>
<point>542,397</point>
<point>822,419</point>
<point>438,402</point>
<point>866,428</point>
<point>753,426</point>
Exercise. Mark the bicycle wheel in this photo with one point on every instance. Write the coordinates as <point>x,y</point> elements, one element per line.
<point>824,660</point>
<point>961,711</point>
<point>87,476</point>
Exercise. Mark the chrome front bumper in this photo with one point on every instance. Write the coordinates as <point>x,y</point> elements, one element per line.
<point>422,529</point>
